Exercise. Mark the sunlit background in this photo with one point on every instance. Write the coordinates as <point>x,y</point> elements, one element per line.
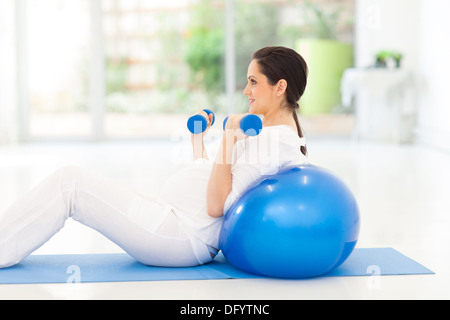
<point>132,69</point>
<point>108,69</point>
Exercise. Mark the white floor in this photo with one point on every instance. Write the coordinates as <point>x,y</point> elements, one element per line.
<point>402,193</point>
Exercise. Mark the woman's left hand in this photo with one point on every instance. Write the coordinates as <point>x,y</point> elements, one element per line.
<point>234,124</point>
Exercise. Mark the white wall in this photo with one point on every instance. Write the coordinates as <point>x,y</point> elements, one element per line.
<point>434,71</point>
<point>387,25</point>
<point>420,29</point>
<point>9,130</point>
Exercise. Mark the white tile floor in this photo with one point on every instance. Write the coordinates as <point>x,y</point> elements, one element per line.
<point>402,193</point>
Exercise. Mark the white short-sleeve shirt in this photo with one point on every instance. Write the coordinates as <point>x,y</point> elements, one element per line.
<point>274,148</point>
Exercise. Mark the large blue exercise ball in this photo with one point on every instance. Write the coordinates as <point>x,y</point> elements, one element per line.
<point>301,222</point>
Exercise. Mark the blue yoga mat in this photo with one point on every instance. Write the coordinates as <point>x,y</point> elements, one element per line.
<point>121,267</point>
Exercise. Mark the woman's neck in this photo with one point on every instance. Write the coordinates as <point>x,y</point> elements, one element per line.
<point>278,117</point>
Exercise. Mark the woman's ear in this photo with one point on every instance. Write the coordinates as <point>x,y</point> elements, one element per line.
<point>281,87</point>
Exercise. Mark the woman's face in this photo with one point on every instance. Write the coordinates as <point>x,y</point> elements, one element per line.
<point>261,94</point>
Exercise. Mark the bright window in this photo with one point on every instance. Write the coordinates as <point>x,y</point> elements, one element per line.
<point>132,69</point>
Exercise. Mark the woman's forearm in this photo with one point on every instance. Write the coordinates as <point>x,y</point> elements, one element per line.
<point>219,185</point>
<point>198,147</point>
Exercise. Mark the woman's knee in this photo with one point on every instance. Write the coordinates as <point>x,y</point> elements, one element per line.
<point>7,256</point>
<point>68,171</point>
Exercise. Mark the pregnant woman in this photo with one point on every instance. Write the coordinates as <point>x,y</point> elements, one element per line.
<point>181,227</point>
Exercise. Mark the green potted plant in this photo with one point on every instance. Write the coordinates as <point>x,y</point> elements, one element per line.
<point>397,56</point>
<point>383,57</point>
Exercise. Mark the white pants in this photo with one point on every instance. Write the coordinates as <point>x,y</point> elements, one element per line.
<point>143,226</point>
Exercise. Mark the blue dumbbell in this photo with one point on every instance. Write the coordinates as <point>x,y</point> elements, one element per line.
<point>250,124</point>
<point>198,123</point>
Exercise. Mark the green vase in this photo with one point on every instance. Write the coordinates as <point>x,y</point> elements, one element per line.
<point>327,61</point>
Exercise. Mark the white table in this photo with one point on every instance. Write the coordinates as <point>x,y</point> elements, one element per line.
<point>384,101</point>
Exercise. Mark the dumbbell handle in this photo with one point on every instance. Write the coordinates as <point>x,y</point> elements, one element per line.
<point>250,124</point>
<point>198,123</point>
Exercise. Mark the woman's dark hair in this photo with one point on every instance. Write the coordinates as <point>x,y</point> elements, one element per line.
<point>278,63</point>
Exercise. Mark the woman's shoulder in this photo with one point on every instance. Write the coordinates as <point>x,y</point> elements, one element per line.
<point>281,140</point>
<point>283,134</point>
<point>273,135</point>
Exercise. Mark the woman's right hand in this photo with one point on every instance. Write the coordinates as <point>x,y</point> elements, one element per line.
<point>198,146</point>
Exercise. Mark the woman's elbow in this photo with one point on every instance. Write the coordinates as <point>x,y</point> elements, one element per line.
<point>215,211</point>
<point>215,201</point>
